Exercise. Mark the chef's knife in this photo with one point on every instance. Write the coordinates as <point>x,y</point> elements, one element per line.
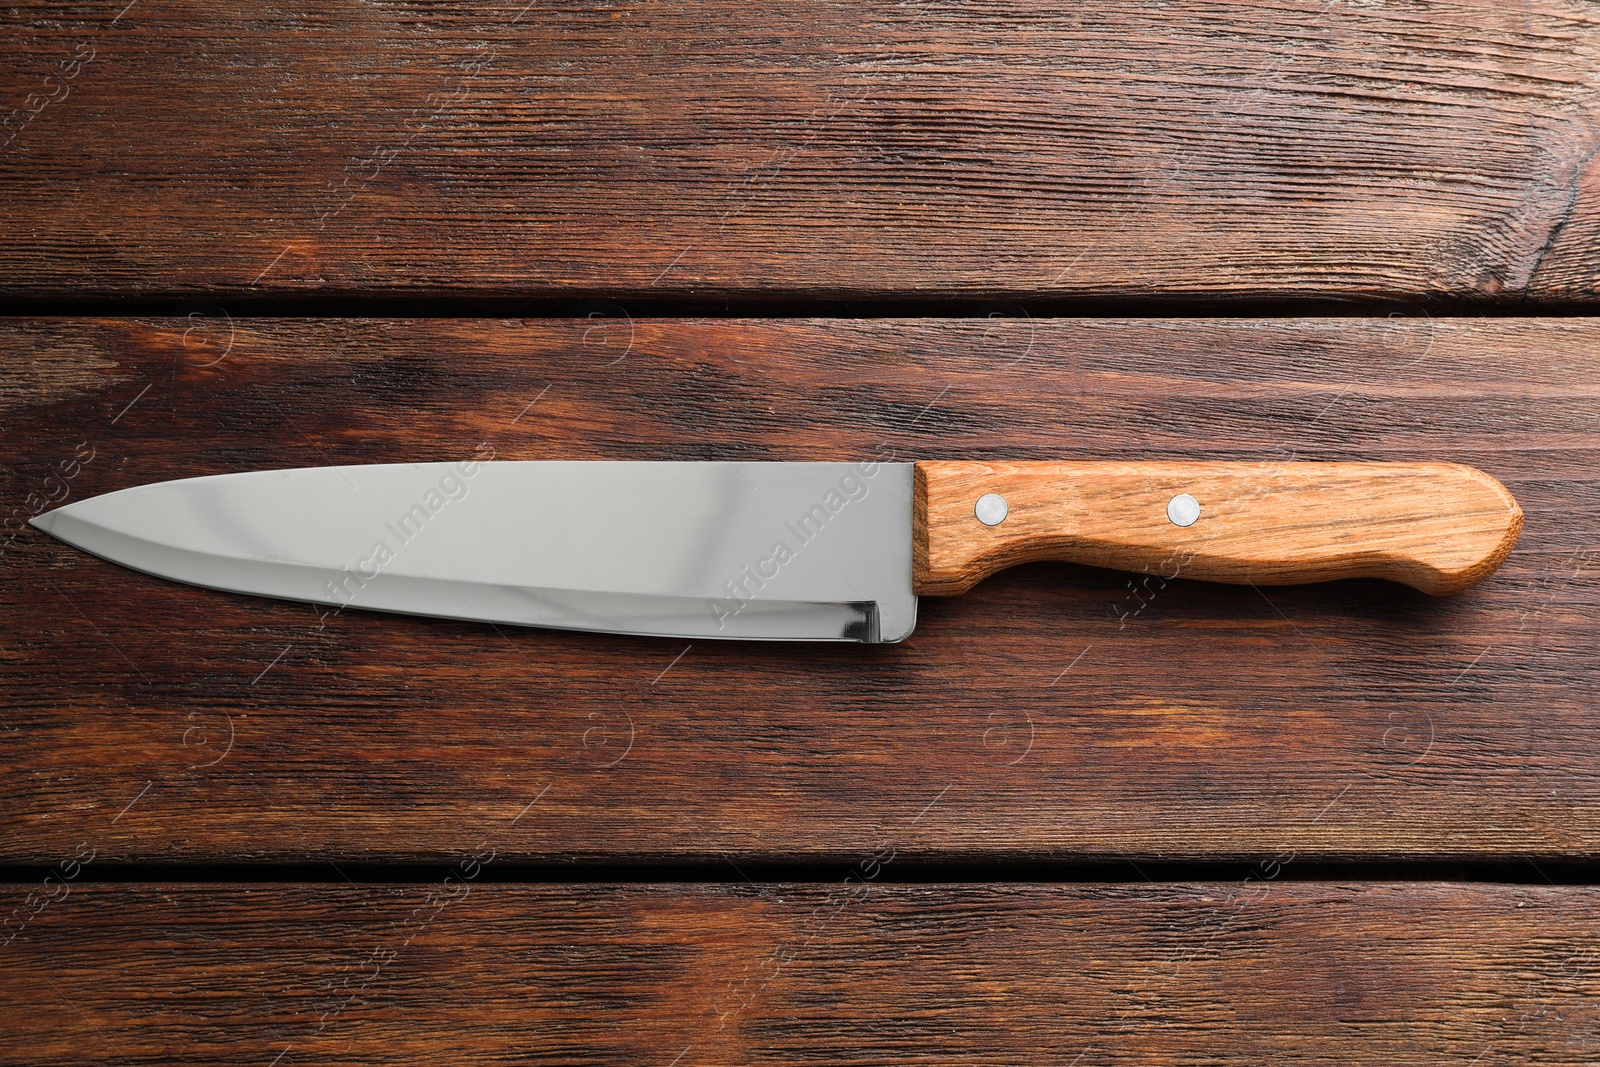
<point>795,551</point>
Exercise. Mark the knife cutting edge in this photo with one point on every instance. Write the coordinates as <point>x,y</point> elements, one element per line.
<point>780,551</point>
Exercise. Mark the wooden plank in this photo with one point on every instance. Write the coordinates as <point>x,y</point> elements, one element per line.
<point>1306,973</point>
<point>1053,712</point>
<point>1276,149</point>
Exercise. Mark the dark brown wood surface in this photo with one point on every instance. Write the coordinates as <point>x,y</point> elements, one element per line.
<point>841,973</point>
<point>601,158</point>
<point>1053,712</point>
<point>792,150</point>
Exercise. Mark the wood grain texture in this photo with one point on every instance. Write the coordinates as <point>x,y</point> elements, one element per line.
<point>1279,148</point>
<point>1438,527</point>
<point>852,973</point>
<point>1054,712</point>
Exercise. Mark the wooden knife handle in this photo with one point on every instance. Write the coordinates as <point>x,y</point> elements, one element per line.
<point>1439,527</point>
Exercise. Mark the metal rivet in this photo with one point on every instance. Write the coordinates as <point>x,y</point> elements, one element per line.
<point>1183,510</point>
<point>991,509</point>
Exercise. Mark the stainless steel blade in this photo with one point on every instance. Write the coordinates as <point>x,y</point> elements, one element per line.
<point>765,551</point>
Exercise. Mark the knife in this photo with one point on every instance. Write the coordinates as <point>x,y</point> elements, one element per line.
<point>780,551</point>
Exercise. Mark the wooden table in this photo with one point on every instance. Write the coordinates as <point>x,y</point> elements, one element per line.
<point>1075,819</point>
